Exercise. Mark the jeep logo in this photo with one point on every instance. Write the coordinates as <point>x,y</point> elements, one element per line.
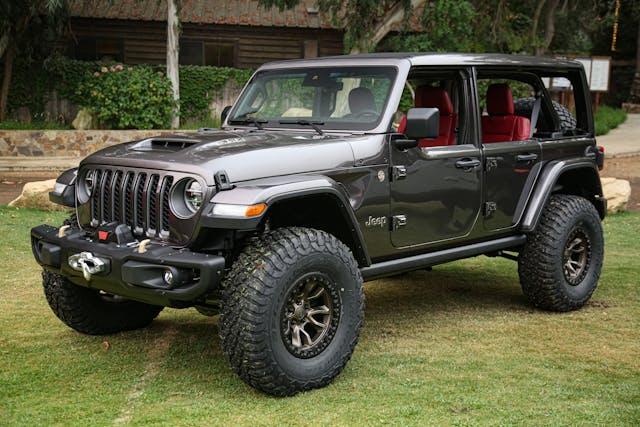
<point>379,221</point>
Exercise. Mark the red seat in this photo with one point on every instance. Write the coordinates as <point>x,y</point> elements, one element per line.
<point>435,97</point>
<point>501,125</point>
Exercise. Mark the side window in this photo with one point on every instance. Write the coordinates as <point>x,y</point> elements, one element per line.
<point>441,91</point>
<point>565,93</point>
<point>506,105</point>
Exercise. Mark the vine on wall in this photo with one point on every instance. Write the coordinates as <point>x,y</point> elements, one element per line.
<point>126,89</point>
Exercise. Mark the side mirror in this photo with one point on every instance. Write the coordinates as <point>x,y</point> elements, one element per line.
<point>423,123</point>
<point>224,114</point>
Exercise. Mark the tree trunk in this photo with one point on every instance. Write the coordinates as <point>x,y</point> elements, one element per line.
<point>534,26</point>
<point>634,97</point>
<point>394,16</point>
<point>6,82</point>
<point>549,27</point>
<point>173,55</point>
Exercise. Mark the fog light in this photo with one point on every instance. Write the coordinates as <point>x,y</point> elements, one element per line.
<point>168,277</point>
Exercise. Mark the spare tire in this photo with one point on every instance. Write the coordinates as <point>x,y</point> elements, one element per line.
<point>524,106</point>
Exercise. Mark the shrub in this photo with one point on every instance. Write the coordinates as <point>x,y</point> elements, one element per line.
<point>608,118</point>
<point>198,84</point>
<point>128,97</point>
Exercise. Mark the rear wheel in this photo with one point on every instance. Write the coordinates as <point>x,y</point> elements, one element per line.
<point>92,312</point>
<point>560,265</point>
<point>292,310</point>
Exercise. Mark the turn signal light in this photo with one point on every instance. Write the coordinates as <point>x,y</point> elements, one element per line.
<point>243,211</point>
<point>255,210</point>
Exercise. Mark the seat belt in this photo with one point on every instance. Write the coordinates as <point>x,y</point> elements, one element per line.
<point>534,114</point>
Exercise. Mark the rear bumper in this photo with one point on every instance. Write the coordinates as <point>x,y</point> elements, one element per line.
<point>138,276</point>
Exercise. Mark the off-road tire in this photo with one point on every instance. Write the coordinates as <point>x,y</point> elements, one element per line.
<point>257,291</point>
<point>524,107</point>
<point>94,313</point>
<point>546,281</point>
<point>71,221</point>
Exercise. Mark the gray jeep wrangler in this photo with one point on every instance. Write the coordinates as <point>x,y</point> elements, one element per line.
<point>325,173</point>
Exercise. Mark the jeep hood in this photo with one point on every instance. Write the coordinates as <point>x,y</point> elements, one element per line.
<point>244,155</point>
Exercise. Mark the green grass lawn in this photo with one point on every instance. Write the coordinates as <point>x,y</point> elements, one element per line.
<point>455,346</point>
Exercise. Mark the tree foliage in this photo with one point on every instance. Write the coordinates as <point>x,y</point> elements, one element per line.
<point>359,18</point>
<point>19,21</point>
<point>445,26</point>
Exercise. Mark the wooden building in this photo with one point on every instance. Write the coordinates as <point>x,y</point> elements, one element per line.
<point>232,33</point>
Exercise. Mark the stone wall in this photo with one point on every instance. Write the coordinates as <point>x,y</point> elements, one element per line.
<point>66,143</point>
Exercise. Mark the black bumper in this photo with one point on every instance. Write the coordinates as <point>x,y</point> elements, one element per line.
<point>138,276</point>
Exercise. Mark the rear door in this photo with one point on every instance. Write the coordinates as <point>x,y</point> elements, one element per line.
<point>511,166</point>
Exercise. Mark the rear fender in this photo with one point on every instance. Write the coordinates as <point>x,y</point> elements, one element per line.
<point>574,176</point>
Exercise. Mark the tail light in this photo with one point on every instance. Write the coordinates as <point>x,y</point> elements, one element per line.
<point>600,157</point>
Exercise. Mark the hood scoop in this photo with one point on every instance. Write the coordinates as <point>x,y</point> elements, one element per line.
<point>164,144</point>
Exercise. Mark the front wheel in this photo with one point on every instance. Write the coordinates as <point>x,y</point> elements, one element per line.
<point>292,309</point>
<point>560,265</point>
<point>92,312</point>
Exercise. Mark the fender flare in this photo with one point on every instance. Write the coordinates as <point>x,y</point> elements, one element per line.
<point>274,190</point>
<point>549,177</point>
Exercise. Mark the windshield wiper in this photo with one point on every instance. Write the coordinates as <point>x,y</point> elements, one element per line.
<point>313,124</point>
<point>250,121</point>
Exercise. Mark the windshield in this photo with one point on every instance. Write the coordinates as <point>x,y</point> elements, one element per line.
<point>340,98</point>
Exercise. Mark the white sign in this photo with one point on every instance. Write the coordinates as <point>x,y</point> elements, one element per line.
<point>561,83</point>
<point>586,63</point>
<point>599,75</point>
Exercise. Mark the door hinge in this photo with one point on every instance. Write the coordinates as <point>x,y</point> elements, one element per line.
<point>490,163</point>
<point>489,208</point>
<point>398,173</point>
<point>399,221</point>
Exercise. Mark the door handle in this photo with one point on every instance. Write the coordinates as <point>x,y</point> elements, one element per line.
<point>468,164</point>
<point>526,157</point>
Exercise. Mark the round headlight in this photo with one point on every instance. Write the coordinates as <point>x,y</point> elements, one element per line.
<point>85,185</point>
<point>193,195</point>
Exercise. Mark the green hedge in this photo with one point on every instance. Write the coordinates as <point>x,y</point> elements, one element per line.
<point>608,118</point>
<point>32,85</point>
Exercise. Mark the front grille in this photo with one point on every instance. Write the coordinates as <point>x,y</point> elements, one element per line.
<point>138,199</point>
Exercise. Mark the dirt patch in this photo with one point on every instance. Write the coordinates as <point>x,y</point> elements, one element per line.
<point>626,168</point>
<point>11,183</point>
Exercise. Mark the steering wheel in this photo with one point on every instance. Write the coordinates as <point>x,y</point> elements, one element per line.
<point>364,113</point>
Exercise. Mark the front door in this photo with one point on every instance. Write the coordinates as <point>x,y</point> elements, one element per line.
<point>438,198</point>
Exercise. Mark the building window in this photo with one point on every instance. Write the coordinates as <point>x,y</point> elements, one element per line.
<point>92,49</point>
<point>218,54</point>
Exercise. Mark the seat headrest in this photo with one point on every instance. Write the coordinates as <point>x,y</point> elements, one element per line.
<point>433,97</point>
<point>361,99</point>
<point>499,100</point>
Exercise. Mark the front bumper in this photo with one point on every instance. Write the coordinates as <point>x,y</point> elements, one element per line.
<point>128,273</point>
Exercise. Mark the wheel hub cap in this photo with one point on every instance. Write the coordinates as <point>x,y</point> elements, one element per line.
<point>310,315</point>
<point>576,256</point>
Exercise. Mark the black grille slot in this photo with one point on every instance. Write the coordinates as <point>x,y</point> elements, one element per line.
<point>127,199</point>
<point>106,193</point>
<point>167,182</point>
<point>152,197</point>
<point>116,200</point>
<point>95,197</point>
<point>138,199</point>
<point>139,206</point>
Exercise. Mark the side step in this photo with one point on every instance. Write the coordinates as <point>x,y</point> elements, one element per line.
<point>421,261</point>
